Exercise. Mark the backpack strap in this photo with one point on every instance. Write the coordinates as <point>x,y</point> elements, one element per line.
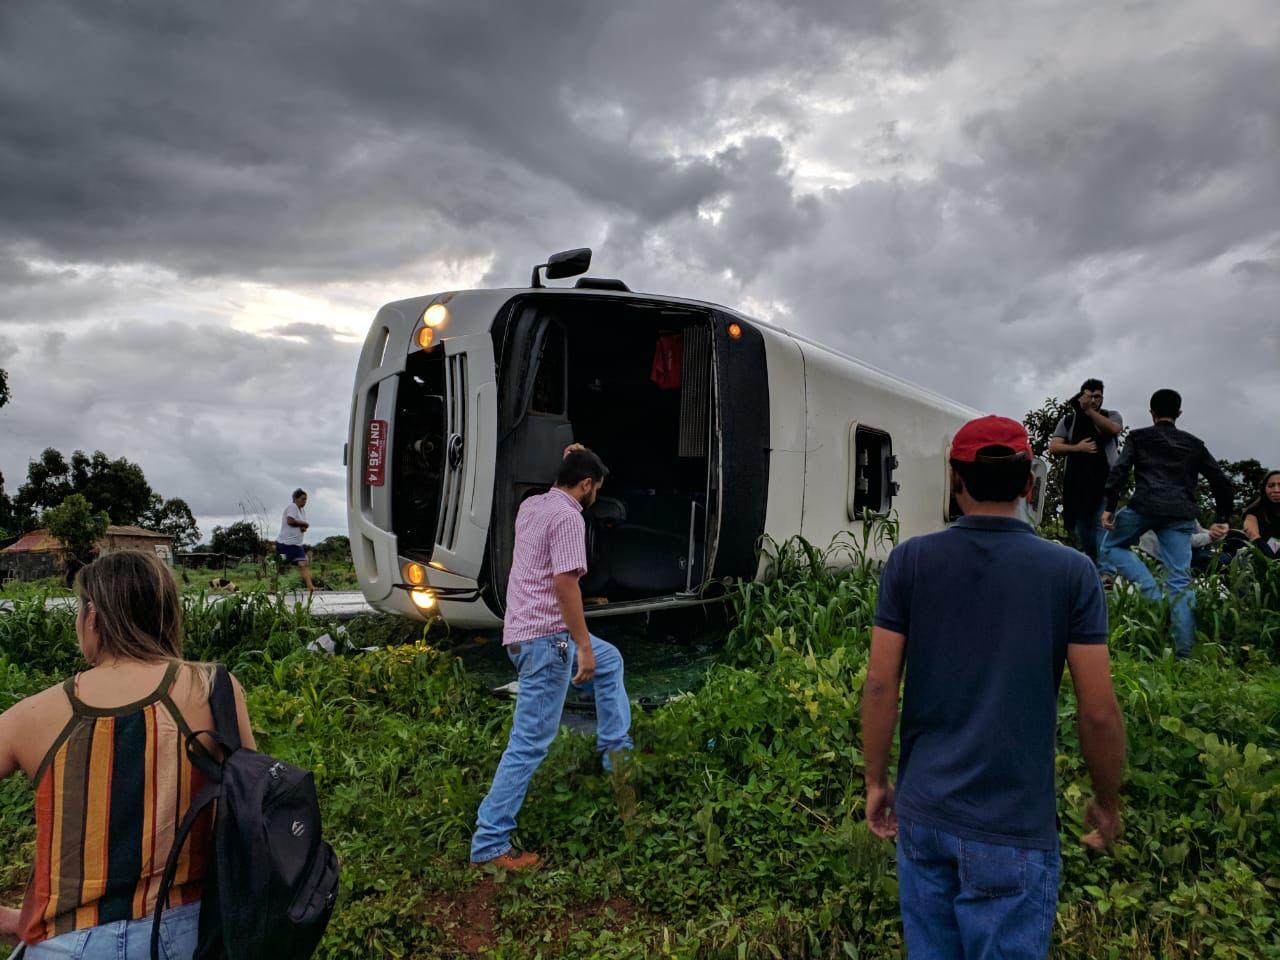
<point>222,703</point>
<point>207,795</point>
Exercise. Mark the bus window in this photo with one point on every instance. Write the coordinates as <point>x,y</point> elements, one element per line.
<point>871,467</point>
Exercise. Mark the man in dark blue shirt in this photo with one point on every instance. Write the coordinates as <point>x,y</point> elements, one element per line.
<point>1166,463</point>
<point>985,614</point>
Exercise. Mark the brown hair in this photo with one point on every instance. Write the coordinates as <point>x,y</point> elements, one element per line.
<point>139,610</point>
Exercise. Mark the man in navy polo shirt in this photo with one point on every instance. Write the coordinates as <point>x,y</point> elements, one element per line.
<point>985,614</point>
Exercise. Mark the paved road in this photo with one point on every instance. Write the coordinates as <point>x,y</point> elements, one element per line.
<point>339,604</point>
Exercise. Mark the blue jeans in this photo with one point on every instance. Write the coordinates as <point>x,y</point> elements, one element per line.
<point>1175,556</point>
<point>124,940</point>
<point>969,900</point>
<point>1089,533</point>
<point>544,672</point>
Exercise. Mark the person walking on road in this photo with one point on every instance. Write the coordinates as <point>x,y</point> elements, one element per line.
<point>545,635</point>
<point>1166,463</point>
<point>293,527</point>
<point>1088,437</point>
<point>984,615</point>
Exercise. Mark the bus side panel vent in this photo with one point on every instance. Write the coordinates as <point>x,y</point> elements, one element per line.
<point>695,392</point>
<point>455,452</point>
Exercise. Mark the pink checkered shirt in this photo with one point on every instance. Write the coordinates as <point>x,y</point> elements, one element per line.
<point>550,539</point>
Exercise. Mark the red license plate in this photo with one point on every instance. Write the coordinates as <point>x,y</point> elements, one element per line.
<point>375,469</point>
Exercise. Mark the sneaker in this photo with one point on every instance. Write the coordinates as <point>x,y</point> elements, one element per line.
<point>1108,580</point>
<point>513,859</point>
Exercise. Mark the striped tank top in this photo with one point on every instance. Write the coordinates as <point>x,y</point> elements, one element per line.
<point>110,795</point>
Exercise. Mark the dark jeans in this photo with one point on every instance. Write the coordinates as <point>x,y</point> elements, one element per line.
<point>968,900</point>
<point>1088,533</point>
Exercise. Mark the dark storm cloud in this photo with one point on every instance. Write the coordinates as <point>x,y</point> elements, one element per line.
<point>312,137</point>
<point>996,203</point>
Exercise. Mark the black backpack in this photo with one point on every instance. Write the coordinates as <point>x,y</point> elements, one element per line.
<point>272,881</point>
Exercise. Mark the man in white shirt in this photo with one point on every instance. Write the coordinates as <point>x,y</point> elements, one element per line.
<point>293,525</point>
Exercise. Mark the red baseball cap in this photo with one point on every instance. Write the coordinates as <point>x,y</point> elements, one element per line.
<point>989,432</point>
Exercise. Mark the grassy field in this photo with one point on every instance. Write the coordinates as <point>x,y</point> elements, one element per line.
<point>247,576</point>
<point>737,831</point>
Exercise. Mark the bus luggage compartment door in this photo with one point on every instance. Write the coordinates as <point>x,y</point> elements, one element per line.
<point>471,420</point>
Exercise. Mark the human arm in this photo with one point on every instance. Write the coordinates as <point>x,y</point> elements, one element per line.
<point>1223,494</point>
<point>1117,477</point>
<point>569,596</point>
<point>8,764</point>
<point>1251,528</point>
<point>1060,443</point>
<point>879,720</point>
<point>1108,423</point>
<point>1102,738</point>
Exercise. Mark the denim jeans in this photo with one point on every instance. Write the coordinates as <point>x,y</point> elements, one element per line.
<point>124,940</point>
<point>544,676</point>
<point>1175,557</point>
<point>968,900</point>
<point>1089,533</point>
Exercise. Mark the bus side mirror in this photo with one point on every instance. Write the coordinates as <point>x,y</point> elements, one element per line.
<point>567,263</point>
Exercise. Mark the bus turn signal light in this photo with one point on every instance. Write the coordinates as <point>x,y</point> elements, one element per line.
<point>414,574</point>
<point>425,336</point>
<point>735,331</point>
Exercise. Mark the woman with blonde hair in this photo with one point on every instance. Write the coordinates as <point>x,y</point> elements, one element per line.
<point>106,753</point>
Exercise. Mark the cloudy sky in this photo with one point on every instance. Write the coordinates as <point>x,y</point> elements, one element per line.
<point>205,204</point>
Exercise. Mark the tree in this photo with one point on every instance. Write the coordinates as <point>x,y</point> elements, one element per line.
<point>174,518</point>
<point>117,487</point>
<point>1040,425</point>
<point>332,548</point>
<point>48,484</point>
<point>1246,480</point>
<point>238,540</point>
<point>77,527</point>
<point>4,388</point>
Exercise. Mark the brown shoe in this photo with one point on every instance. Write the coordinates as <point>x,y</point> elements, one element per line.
<point>513,859</point>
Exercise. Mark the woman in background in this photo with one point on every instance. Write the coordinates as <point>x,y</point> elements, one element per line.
<point>106,752</point>
<point>1262,517</point>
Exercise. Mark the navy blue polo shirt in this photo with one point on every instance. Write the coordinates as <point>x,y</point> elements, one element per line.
<point>988,609</point>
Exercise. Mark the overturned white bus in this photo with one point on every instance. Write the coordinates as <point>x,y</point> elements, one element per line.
<point>718,431</point>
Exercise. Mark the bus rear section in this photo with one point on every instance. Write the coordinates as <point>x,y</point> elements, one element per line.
<point>637,380</point>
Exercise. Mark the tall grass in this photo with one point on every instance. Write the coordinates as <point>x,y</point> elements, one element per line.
<point>737,829</point>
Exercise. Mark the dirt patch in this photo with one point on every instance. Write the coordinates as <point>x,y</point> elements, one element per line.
<point>469,918</point>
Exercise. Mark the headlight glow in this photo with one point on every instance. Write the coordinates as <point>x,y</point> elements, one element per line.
<point>423,599</point>
<point>435,315</point>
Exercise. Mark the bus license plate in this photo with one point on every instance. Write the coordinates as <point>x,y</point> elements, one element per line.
<point>375,470</point>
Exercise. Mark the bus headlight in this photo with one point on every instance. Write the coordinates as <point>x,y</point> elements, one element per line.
<point>423,599</point>
<point>435,315</point>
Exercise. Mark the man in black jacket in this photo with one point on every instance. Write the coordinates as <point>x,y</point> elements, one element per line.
<point>1166,462</point>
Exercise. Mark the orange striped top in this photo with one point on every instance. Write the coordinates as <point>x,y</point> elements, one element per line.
<point>110,795</point>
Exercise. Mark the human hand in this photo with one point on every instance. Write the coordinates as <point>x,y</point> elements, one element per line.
<point>1104,817</point>
<point>1087,445</point>
<point>1108,520</point>
<point>881,817</point>
<point>573,448</point>
<point>586,665</point>
<point>9,925</point>
<point>1084,402</point>
<point>1218,531</point>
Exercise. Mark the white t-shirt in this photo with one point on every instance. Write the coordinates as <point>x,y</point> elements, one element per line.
<point>291,534</point>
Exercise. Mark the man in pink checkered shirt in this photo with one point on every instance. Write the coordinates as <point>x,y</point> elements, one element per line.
<point>545,635</point>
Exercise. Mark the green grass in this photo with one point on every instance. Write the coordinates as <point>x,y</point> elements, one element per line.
<point>737,831</point>
<point>327,574</point>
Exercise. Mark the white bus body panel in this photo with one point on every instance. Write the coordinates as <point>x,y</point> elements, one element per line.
<point>842,393</point>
